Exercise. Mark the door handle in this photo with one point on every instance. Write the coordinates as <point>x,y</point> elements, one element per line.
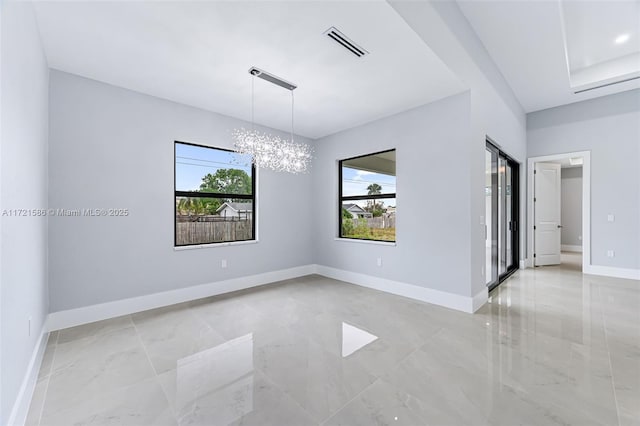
<point>559,226</point>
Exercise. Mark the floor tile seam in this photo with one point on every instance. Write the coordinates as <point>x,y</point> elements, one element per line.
<point>382,378</point>
<point>551,403</point>
<point>53,370</point>
<point>201,319</point>
<point>324,422</point>
<point>558,405</point>
<point>161,317</point>
<point>193,315</point>
<point>253,309</point>
<point>98,335</point>
<point>320,347</point>
<point>100,392</point>
<point>46,388</point>
<point>54,348</point>
<point>606,340</point>
<point>198,318</point>
<point>153,368</point>
<point>275,385</point>
<point>310,342</point>
<point>94,335</point>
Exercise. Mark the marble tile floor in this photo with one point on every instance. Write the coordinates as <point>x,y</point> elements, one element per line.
<point>553,347</point>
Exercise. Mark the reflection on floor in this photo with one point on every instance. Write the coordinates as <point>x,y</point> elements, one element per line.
<point>551,347</point>
<point>571,261</point>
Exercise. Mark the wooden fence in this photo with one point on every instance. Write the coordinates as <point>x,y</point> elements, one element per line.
<point>213,232</point>
<point>378,222</point>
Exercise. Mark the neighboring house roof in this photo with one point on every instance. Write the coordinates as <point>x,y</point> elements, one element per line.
<point>354,208</point>
<point>356,211</point>
<point>239,207</point>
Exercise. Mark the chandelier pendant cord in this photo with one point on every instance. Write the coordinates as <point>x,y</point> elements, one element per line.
<point>292,116</point>
<point>253,79</point>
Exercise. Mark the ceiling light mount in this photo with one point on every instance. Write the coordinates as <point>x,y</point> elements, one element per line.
<point>257,72</point>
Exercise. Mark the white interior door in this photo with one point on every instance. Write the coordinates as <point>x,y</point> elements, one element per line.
<point>547,214</point>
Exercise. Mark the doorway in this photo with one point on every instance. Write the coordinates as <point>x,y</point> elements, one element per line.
<point>501,215</point>
<point>566,242</point>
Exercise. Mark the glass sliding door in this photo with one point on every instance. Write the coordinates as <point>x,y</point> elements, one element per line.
<point>491,213</point>
<point>502,246</point>
<point>501,205</point>
<point>508,216</point>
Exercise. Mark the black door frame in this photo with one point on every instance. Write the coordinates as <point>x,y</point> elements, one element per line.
<point>512,226</point>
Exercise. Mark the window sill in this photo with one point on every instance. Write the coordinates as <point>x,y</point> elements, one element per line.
<point>374,242</point>
<point>212,245</point>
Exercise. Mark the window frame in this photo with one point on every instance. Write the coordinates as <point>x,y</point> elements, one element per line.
<point>194,194</point>
<point>342,199</point>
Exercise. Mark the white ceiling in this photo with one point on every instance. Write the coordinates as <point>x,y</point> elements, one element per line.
<point>592,27</point>
<point>198,53</point>
<point>526,39</point>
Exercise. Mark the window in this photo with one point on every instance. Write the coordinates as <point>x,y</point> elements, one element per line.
<point>368,197</point>
<point>214,195</point>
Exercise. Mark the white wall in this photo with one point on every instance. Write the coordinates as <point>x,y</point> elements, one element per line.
<point>609,127</point>
<point>113,148</point>
<point>495,111</point>
<point>23,160</point>
<point>571,205</point>
<point>432,231</point>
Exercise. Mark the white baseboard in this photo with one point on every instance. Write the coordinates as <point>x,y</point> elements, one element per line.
<point>70,318</point>
<point>87,314</point>
<point>18,414</point>
<point>608,271</point>
<point>436,297</point>
<point>571,248</point>
<point>480,299</point>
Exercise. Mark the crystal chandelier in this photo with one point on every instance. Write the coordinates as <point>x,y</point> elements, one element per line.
<point>271,151</point>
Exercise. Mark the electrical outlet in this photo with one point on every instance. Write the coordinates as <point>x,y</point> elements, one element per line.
<point>611,218</point>
<point>379,261</point>
<point>223,263</point>
<point>610,253</point>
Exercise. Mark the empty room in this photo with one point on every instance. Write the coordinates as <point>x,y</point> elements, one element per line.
<point>291,213</point>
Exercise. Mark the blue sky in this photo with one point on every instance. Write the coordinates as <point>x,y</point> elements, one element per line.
<point>193,162</point>
<point>355,182</point>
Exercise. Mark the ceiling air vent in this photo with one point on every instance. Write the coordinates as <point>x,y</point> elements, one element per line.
<point>345,42</point>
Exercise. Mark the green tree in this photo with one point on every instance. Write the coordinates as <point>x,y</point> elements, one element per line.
<point>223,181</point>
<point>374,189</point>
<point>190,206</point>
<point>227,181</point>
<point>347,226</point>
<point>373,207</point>
<point>197,206</point>
<point>377,209</point>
